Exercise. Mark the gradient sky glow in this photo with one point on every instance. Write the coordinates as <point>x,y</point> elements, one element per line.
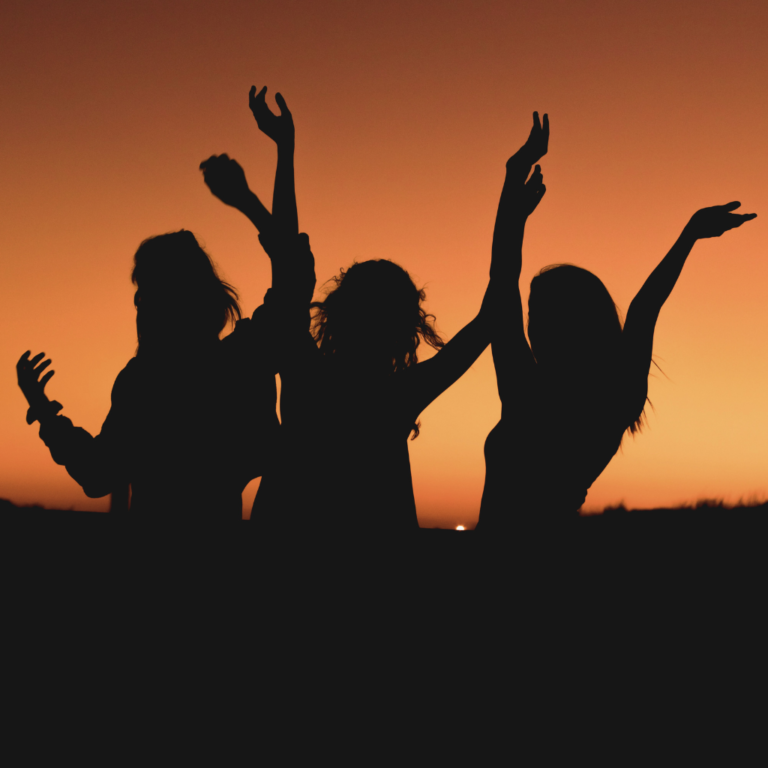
<point>406,113</point>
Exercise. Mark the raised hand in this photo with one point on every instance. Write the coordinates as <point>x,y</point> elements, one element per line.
<point>280,127</point>
<point>538,140</point>
<point>533,191</point>
<point>28,374</point>
<point>714,221</point>
<point>226,180</point>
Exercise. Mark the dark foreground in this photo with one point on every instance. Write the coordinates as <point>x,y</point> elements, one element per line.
<point>624,617</point>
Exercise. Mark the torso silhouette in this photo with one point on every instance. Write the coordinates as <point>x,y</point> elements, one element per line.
<point>344,463</point>
<point>187,429</point>
<point>550,447</point>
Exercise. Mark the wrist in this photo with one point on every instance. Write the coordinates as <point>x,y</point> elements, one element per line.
<point>43,411</point>
<point>688,235</point>
<point>523,156</point>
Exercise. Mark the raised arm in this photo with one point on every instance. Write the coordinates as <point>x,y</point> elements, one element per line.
<point>424,382</point>
<point>512,357</point>
<point>637,339</point>
<point>281,130</point>
<point>518,200</point>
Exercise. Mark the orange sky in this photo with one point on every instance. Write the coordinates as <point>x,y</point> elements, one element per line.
<point>405,113</point>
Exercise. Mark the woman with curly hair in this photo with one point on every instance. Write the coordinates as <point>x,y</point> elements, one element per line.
<point>353,385</point>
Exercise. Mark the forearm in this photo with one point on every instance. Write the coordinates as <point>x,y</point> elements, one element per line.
<point>256,212</point>
<point>659,285</point>
<point>509,231</point>
<point>83,456</point>
<point>284,210</point>
<point>428,380</point>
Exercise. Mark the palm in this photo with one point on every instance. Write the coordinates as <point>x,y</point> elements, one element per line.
<point>715,221</point>
<point>280,127</point>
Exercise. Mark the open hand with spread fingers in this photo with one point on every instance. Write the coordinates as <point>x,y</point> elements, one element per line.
<point>28,375</point>
<point>280,127</point>
<point>226,180</point>
<point>714,221</point>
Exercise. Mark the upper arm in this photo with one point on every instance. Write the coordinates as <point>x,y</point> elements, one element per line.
<point>637,339</point>
<point>512,357</point>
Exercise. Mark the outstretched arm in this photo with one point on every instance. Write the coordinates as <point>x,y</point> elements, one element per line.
<point>419,385</point>
<point>89,460</point>
<point>426,381</point>
<point>637,339</point>
<point>512,357</point>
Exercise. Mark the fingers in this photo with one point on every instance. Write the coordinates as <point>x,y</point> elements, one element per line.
<point>536,121</point>
<point>46,378</point>
<point>257,101</point>
<point>23,360</point>
<point>737,219</point>
<point>730,206</point>
<point>536,180</point>
<point>36,359</point>
<point>40,368</point>
<point>213,160</point>
<point>284,111</point>
<point>546,126</point>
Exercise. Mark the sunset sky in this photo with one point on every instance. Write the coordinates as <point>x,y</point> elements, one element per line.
<point>405,113</point>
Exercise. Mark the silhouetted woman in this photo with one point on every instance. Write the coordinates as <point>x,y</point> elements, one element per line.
<point>353,387</point>
<point>569,397</point>
<point>193,416</point>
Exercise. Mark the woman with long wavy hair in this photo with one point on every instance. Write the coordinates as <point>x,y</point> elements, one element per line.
<point>570,395</point>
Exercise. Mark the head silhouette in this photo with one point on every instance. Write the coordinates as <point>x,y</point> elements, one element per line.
<point>373,317</point>
<point>572,320</point>
<point>180,299</point>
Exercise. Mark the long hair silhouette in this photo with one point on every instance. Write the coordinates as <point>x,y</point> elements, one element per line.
<point>574,326</point>
<point>580,381</point>
<point>179,291</point>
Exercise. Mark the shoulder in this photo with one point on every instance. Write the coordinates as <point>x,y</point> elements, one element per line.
<point>127,378</point>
